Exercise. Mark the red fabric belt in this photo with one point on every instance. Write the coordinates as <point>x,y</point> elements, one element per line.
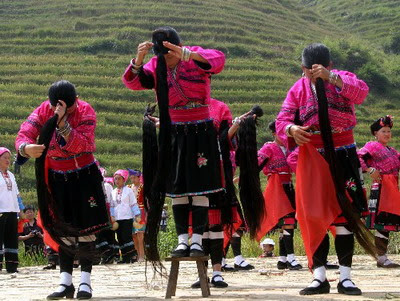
<point>190,114</point>
<point>339,139</point>
<point>71,164</point>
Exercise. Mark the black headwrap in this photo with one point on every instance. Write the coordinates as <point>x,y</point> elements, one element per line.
<point>319,54</point>
<point>380,123</point>
<point>62,90</point>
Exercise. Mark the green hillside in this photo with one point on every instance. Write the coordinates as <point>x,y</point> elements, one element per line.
<point>91,42</point>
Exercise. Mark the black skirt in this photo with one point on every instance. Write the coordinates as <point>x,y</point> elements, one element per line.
<point>195,160</point>
<point>80,198</point>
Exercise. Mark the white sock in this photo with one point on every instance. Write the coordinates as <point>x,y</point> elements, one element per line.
<point>65,278</point>
<point>282,258</point>
<point>320,274</point>
<point>218,275</point>
<point>292,260</point>
<point>239,260</point>
<point>184,239</point>
<point>345,274</point>
<point>223,262</point>
<point>382,259</point>
<point>85,278</point>
<point>198,239</point>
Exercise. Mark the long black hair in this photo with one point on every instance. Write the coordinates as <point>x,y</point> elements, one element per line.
<point>158,187</point>
<point>251,196</point>
<point>319,54</point>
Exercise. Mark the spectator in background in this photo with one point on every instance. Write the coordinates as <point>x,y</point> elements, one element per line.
<point>10,206</point>
<point>124,210</point>
<point>138,227</point>
<point>164,219</point>
<point>32,234</point>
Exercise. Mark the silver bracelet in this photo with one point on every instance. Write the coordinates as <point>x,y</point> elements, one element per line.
<point>65,130</point>
<point>287,130</point>
<point>135,68</point>
<point>373,169</point>
<point>185,54</point>
<point>333,77</point>
<point>21,150</point>
<point>237,121</point>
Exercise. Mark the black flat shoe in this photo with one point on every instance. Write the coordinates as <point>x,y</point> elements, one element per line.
<point>294,267</point>
<point>50,267</point>
<point>67,293</point>
<point>243,268</point>
<point>282,265</point>
<point>227,268</point>
<point>323,288</point>
<point>218,283</point>
<point>197,283</point>
<point>181,252</point>
<point>83,295</point>
<point>353,291</point>
<point>196,252</point>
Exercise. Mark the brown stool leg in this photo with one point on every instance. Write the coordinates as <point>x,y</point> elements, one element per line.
<point>172,280</point>
<point>201,268</point>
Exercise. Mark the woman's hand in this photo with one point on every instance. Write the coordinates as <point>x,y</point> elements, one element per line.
<point>299,134</point>
<point>155,120</point>
<point>319,71</point>
<point>61,110</point>
<point>34,150</point>
<point>142,50</point>
<point>174,50</point>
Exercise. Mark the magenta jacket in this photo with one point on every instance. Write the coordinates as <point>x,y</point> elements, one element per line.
<point>190,85</point>
<point>301,99</point>
<point>81,139</point>
<point>385,159</point>
<point>219,111</point>
<point>276,159</point>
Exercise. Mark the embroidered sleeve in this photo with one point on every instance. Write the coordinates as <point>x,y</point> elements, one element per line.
<point>133,82</point>
<point>292,159</point>
<point>215,59</point>
<point>81,138</point>
<point>287,117</point>
<point>353,88</point>
<point>364,157</point>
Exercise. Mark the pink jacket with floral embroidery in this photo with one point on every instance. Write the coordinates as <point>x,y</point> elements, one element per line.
<point>301,100</point>
<point>385,159</point>
<point>276,159</point>
<point>81,139</point>
<point>193,79</point>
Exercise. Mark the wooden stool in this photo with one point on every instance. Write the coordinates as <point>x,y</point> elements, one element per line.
<point>173,275</point>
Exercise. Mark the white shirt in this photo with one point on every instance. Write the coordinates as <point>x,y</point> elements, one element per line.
<point>108,189</point>
<point>123,203</point>
<point>8,198</point>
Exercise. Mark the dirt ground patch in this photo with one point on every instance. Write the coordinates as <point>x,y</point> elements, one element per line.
<point>127,282</point>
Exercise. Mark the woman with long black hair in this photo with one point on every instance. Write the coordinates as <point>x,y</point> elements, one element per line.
<point>69,185</point>
<point>319,114</point>
<point>189,164</point>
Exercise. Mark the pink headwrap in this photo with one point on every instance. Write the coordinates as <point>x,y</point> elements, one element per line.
<point>123,173</point>
<point>109,180</point>
<point>4,150</point>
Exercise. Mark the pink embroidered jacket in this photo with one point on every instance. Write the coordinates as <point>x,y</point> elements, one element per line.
<point>81,139</point>
<point>385,159</point>
<point>276,159</point>
<point>188,84</point>
<point>301,101</point>
<point>219,111</point>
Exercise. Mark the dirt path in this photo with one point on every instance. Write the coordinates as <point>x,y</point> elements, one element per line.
<point>127,282</point>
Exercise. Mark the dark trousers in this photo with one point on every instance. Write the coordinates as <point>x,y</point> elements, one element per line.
<point>106,244</point>
<point>125,241</point>
<point>9,238</point>
<point>85,255</point>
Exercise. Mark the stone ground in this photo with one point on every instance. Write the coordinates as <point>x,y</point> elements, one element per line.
<point>127,282</point>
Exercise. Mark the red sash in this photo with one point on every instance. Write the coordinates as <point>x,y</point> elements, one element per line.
<point>230,229</point>
<point>277,205</point>
<point>389,200</point>
<point>46,236</point>
<point>316,203</point>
